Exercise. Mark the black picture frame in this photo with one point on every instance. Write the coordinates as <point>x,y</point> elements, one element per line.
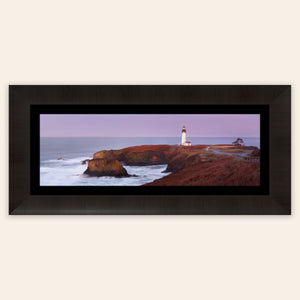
<point>273,102</point>
<point>37,110</point>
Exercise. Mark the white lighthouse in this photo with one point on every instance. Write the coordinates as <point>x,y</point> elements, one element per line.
<point>184,142</point>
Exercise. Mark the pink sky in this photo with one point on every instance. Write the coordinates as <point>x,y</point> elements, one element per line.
<point>143,125</point>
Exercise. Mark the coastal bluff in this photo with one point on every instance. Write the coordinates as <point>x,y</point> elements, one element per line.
<point>200,165</point>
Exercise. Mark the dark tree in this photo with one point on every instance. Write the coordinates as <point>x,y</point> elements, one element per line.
<point>238,142</point>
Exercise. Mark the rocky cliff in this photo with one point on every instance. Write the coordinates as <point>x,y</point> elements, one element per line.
<point>193,165</point>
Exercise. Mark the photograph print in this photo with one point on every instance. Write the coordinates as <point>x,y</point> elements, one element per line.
<point>150,150</point>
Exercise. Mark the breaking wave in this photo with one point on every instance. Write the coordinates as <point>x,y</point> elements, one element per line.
<point>68,172</point>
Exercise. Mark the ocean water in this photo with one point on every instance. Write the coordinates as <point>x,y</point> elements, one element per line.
<point>60,159</point>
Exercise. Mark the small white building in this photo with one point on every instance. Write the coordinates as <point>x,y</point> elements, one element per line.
<point>184,142</point>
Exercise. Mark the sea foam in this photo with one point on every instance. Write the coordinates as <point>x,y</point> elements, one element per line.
<point>69,172</point>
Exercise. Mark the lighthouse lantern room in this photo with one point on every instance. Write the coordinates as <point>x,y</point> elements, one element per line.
<point>184,142</point>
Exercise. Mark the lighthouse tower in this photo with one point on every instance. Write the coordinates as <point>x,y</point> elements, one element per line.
<point>184,142</point>
<point>183,136</point>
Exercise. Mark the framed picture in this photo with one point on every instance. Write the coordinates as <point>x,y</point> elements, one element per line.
<point>150,149</point>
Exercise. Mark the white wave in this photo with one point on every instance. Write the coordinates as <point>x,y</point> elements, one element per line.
<point>68,161</point>
<point>69,173</point>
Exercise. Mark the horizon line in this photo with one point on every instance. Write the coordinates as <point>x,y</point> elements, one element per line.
<point>146,136</point>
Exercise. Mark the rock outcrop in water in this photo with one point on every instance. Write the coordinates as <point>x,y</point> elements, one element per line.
<point>83,162</point>
<point>104,167</point>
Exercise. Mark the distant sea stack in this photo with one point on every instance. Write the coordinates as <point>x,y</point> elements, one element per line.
<point>104,167</point>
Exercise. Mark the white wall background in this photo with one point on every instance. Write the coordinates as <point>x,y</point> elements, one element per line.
<point>149,42</point>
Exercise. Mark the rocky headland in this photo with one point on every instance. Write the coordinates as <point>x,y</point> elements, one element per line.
<point>200,165</point>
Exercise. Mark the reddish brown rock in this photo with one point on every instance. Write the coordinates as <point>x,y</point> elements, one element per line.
<point>189,165</point>
<point>255,153</point>
<point>103,167</point>
<point>137,156</point>
<point>223,172</point>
